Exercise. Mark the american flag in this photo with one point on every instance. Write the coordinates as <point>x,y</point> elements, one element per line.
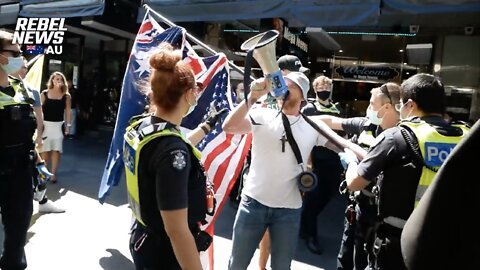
<point>222,154</point>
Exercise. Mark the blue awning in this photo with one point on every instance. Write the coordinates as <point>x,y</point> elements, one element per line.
<point>216,10</point>
<point>8,12</point>
<point>314,13</point>
<point>62,8</point>
<point>297,12</point>
<point>430,7</point>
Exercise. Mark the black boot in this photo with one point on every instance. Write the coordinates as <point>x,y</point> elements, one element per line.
<point>313,245</point>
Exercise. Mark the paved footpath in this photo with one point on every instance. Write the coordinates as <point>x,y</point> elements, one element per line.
<point>91,236</point>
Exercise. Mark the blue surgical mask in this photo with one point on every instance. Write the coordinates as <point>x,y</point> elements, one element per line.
<point>373,116</point>
<point>14,65</point>
<point>408,115</point>
<point>191,108</point>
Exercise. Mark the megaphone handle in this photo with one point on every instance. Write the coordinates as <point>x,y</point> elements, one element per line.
<point>246,73</point>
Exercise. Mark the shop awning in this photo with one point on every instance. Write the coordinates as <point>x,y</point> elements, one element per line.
<point>61,8</point>
<point>8,12</point>
<point>430,7</point>
<point>301,12</point>
<point>313,13</point>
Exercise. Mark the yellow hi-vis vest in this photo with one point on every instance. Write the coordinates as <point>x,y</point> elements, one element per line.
<point>332,110</point>
<point>22,96</point>
<point>135,140</point>
<point>366,139</point>
<point>434,148</point>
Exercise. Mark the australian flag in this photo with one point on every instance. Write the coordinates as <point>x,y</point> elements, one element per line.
<point>34,49</point>
<point>222,154</point>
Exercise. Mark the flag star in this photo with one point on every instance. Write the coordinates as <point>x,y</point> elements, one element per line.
<point>214,95</point>
<point>214,132</point>
<point>218,104</point>
<point>224,75</point>
<point>144,66</point>
<point>217,85</point>
<point>224,102</point>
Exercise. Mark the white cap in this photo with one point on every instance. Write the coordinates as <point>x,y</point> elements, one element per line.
<point>301,81</point>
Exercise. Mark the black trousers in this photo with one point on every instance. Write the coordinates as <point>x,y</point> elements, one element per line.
<point>345,254</point>
<point>388,255</point>
<point>352,253</point>
<point>316,200</point>
<point>150,252</point>
<point>16,204</point>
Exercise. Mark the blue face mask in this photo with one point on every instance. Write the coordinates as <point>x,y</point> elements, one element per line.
<point>192,106</point>
<point>373,117</point>
<point>14,65</point>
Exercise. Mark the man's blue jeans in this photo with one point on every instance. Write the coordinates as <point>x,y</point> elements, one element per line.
<point>252,219</point>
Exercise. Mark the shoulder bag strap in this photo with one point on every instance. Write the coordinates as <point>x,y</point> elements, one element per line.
<point>291,139</point>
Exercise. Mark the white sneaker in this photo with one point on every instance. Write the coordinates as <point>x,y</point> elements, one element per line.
<point>49,207</point>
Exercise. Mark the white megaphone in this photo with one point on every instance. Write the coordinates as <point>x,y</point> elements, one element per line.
<point>263,46</point>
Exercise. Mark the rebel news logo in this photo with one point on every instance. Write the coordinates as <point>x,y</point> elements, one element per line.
<point>40,35</point>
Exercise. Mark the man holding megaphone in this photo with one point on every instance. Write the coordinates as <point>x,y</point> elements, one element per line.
<point>282,142</point>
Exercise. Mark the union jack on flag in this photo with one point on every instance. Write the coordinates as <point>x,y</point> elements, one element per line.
<point>34,49</point>
<point>222,154</point>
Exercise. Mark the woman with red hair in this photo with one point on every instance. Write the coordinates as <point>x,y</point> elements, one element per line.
<point>165,179</point>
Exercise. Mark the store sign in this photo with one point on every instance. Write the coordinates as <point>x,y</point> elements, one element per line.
<point>295,40</point>
<point>366,73</point>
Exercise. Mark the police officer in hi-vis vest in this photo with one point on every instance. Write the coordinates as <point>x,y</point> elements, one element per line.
<point>325,164</point>
<point>403,161</point>
<point>167,186</point>
<point>361,211</point>
<point>17,155</point>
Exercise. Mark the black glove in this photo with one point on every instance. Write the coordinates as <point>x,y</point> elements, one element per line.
<point>214,117</point>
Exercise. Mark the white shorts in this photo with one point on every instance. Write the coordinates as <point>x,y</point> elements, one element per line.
<point>52,137</point>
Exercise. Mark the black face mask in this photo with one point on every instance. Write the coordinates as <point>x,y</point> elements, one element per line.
<point>323,95</point>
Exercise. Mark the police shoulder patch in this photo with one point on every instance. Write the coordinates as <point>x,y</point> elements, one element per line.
<point>179,161</point>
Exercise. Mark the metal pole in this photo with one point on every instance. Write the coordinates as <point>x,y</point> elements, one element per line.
<point>192,38</point>
<point>32,61</point>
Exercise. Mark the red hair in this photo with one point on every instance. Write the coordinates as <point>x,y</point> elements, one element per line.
<point>170,77</point>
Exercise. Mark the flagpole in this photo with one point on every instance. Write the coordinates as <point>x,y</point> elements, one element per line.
<point>194,39</point>
<point>32,61</point>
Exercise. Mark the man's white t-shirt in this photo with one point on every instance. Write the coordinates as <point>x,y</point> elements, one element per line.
<point>272,179</point>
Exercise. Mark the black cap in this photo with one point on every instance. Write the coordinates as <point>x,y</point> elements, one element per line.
<point>292,63</point>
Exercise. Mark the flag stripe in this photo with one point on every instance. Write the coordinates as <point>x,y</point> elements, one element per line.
<point>217,66</point>
<point>217,150</point>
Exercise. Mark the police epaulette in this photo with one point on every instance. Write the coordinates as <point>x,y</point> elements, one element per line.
<point>138,117</point>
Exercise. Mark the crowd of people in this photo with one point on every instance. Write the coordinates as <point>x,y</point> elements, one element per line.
<point>400,144</point>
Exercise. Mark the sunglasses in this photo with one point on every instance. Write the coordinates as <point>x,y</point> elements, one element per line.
<point>384,90</point>
<point>13,52</point>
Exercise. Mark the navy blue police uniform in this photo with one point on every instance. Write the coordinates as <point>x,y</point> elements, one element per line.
<point>17,126</point>
<point>170,177</point>
<point>395,165</point>
<point>360,214</point>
